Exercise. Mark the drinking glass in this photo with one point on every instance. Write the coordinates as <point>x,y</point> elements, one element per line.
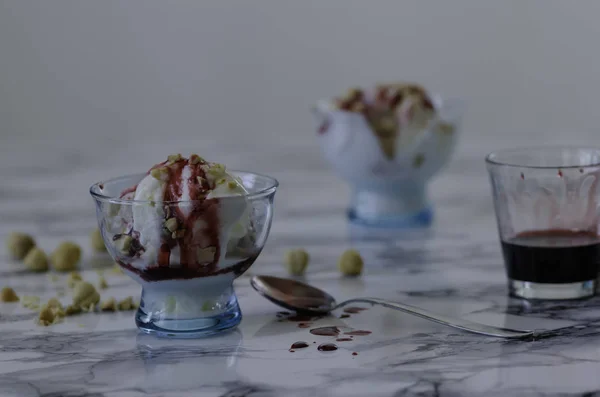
<point>546,201</point>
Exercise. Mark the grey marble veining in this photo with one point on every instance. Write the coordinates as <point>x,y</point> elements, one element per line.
<point>455,268</point>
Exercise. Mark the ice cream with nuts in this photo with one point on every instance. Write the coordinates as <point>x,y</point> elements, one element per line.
<point>186,214</point>
<point>395,113</point>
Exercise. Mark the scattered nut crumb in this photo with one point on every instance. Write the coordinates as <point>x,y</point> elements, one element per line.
<point>350,263</point>
<point>102,284</point>
<point>66,256</point>
<point>72,310</point>
<point>36,260</point>
<point>89,308</point>
<point>109,305</point>
<point>46,317</point>
<point>123,243</point>
<point>96,241</point>
<point>19,244</point>
<point>73,278</point>
<point>54,303</point>
<point>9,295</point>
<point>127,304</point>
<point>296,261</point>
<point>85,295</point>
<point>31,302</point>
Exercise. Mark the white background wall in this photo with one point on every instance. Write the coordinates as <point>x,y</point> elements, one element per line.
<point>184,72</point>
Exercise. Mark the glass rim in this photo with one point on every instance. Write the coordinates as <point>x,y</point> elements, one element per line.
<point>272,185</point>
<point>489,158</point>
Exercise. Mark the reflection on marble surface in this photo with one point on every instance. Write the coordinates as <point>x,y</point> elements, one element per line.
<point>455,268</point>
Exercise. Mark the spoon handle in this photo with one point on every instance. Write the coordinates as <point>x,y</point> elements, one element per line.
<point>459,323</point>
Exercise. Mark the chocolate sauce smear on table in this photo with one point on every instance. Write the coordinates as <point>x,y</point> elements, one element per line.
<point>552,256</point>
<point>304,325</point>
<point>344,340</point>
<point>354,353</point>
<point>358,332</point>
<point>354,309</point>
<point>298,345</point>
<point>325,331</point>
<point>344,316</point>
<point>327,347</point>
<point>283,314</point>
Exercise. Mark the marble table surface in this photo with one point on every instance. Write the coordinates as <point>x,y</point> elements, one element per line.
<point>454,267</point>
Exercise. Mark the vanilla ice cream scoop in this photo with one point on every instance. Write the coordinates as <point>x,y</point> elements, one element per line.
<point>197,209</point>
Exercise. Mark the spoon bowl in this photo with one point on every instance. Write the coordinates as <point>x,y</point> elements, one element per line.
<point>303,298</point>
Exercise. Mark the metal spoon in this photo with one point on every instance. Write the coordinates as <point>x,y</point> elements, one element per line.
<point>303,298</point>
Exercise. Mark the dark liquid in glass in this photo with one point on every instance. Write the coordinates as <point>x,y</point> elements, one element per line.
<point>552,256</point>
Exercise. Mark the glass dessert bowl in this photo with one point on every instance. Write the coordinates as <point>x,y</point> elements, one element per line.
<point>387,142</point>
<point>185,230</point>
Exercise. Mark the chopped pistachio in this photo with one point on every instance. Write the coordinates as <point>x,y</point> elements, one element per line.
<point>109,305</point>
<point>8,295</point>
<point>123,243</point>
<point>46,317</point>
<point>54,303</point>
<point>195,159</point>
<point>73,278</point>
<point>350,263</point>
<point>206,254</point>
<point>85,295</point>
<point>126,304</point>
<point>171,224</point>
<point>96,241</point>
<point>161,173</point>
<point>36,260</point>
<point>221,181</point>
<point>19,244</point>
<point>72,310</point>
<point>216,169</point>
<point>31,302</point>
<point>173,158</point>
<point>232,184</point>
<point>102,284</point>
<point>296,261</point>
<point>66,256</point>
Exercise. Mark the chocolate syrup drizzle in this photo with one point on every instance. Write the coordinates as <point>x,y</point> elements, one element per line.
<point>201,208</point>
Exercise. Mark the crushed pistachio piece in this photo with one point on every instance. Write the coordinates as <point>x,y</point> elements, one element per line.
<point>85,295</point>
<point>73,278</point>
<point>109,305</point>
<point>102,284</point>
<point>31,302</point>
<point>232,184</point>
<point>161,173</point>
<point>54,303</point>
<point>350,263</point>
<point>173,158</point>
<point>171,224</point>
<point>216,169</point>
<point>66,256</point>
<point>296,261</point>
<point>195,159</point>
<point>19,244</point>
<point>123,243</point>
<point>46,317</point>
<point>72,310</point>
<point>206,254</point>
<point>8,295</point>
<point>126,304</point>
<point>36,260</point>
<point>96,241</point>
